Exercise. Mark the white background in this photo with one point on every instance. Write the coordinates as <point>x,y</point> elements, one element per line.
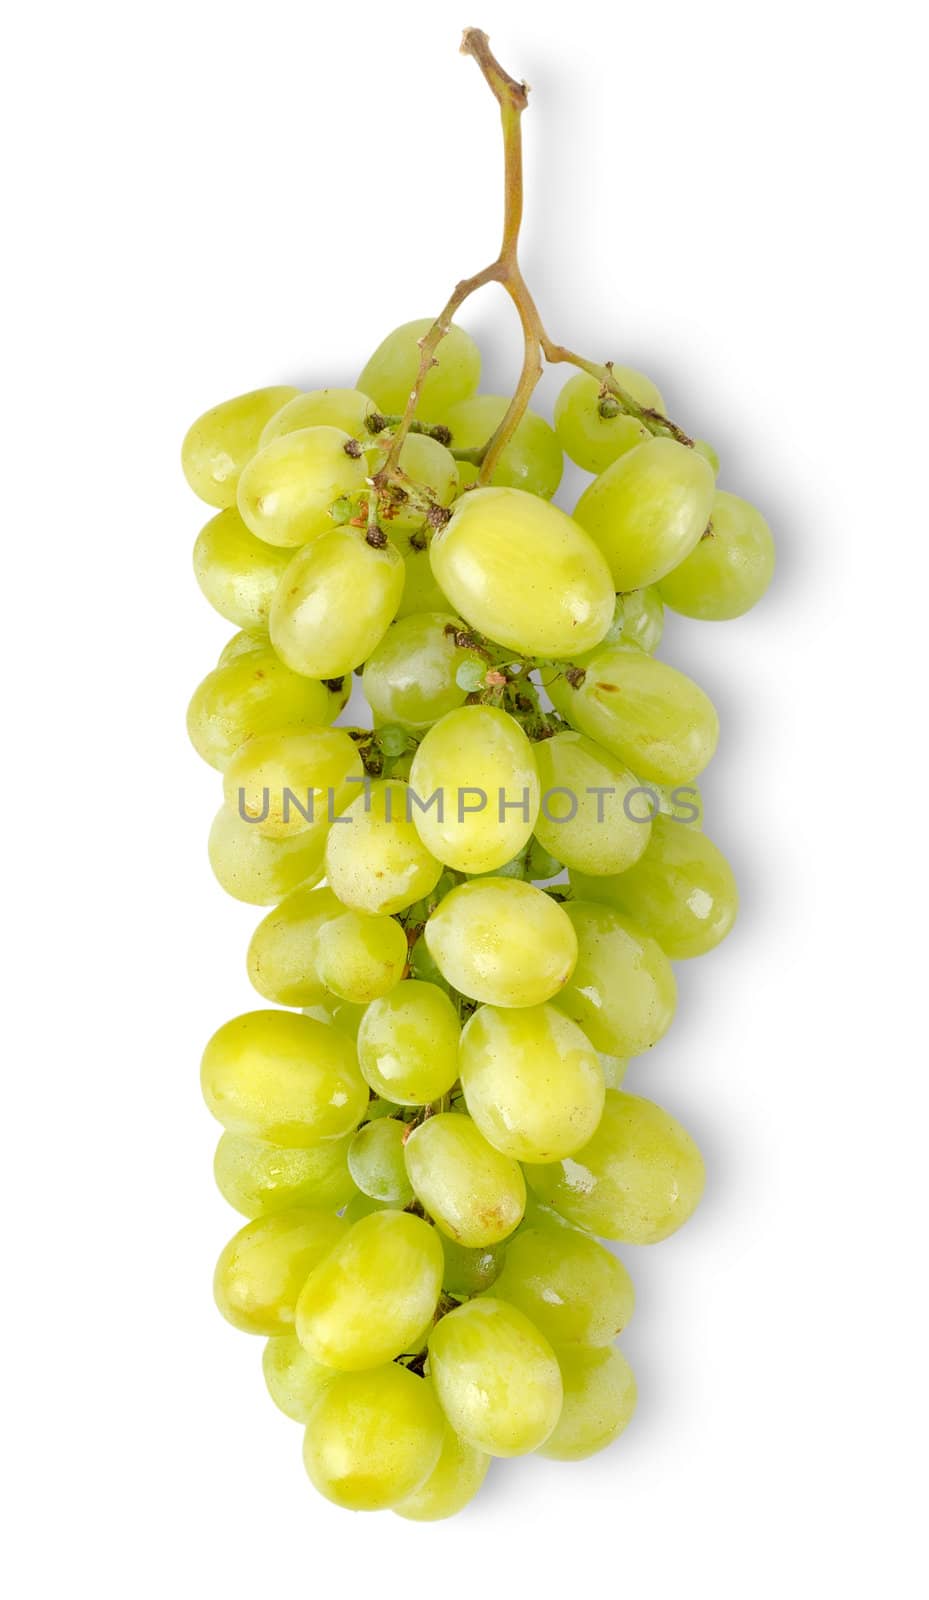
<point>213,196</point>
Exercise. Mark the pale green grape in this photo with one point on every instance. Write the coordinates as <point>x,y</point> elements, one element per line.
<point>282,952</point>
<point>706,450</point>
<point>638,619</point>
<point>455,1479</point>
<point>363,1205</point>
<point>264,1266</point>
<point>475,788</point>
<point>474,1194</point>
<point>502,941</point>
<point>408,1044</point>
<point>237,572</point>
<point>622,991</point>
<point>523,573</point>
<point>410,678</point>
<point>729,569</point>
<point>421,592</point>
<point>347,409</point>
<point>261,871</point>
<point>373,1293</point>
<point>614,1070</point>
<point>647,511</point>
<point>428,465</point>
<point>531,459</point>
<point>221,441</point>
<point>284,1078</point>
<point>587,819</point>
<point>375,858</point>
<point>637,1180</point>
<point>242,644</point>
<point>295,1381</point>
<point>599,1399</point>
<point>468,1271</point>
<point>374,1438</point>
<point>590,428</point>
<point>334,603</point>
<point>250,694</point>
<point>682,891</point>
<point>532,1081</point>
<point>293,781</point>
<point>258,1179</point>
<point>496,1376</point>
<point>650,715</point>
<point>391,372</point>
<point>572,1288</point>
<point>286,491</point>
<point>361,957</point>
<point>376,1162</point>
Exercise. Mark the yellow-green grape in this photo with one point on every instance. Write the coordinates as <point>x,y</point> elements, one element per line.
<point>376,1162</point>
<point>375,858</point>
<point>237,572</point>
<point>264,1266</point>
<point>363,1205</point>
<point>586,818</point>
<point>391,372</point>
<point>622,991</point>
<point>502,941</point>
<point>532,1081</point>
<point>346,1016</point>
<point>572,1288</point>
<point>429,466</point>
<point>729,569</point>
<point>261,871</point>
<point>373,1293</point>
<point>523,573</point>
<point>334,603</point>
<point>531,459</point>
<point>421,592</point>
<point>647,511</point>
<point>637,1180</point>
<point>374,1438</point>
<point>614,1070</point>
<point>638,619</point>
<point>706,450</point>
<point>250,694</point>
<point>650,715</point>
<point>218,445</point>
<point>591,428</point>
<point>496,1376</point>
<point>360,957</point>
<point>295,1381</point>
<point>287,490</point>
<point>468,1271</point>
<point>455,1479</point>
<point>682,891</point>
<point>347,409</point>
<point>284,1078</point>
<point>408,1044</point>
<point>242,644</point>
<point>282,952</point>
<point>258,1179</point>
<point>599,1399</point>
<point>293,781</point>
<point>475,789</point>
<point>411,678</point>
<point>473,1194</point>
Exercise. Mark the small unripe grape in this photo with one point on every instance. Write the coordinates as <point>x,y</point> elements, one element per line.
<point>257,870</point>
<point>476,789</point>
<point>347,409</point>
<point>474,1194</point>
<point>361,957</point>
<point>531,459</point>
<point>496,1377</point>
<point>408,1044</point>
<point>237,572</point>
<point>282,952</point>
<point>376,1162</point>
<point>647,511</point>
<point>467,1271</point>
<point>293,781</point>
<point>586,818</point>
<point>259,1179</point>
<point>265,1265</point>
<point>638,619</point>
<point>410,678</point>
<point>729,569</point>
<point>221,441</point>
<point>502,941</point>
<point>572,1288</point>
<point>373,1293</point>
<point>622,992</point>
<point>375,859</point>
<point>455,1479</point>
<point>254,693</point>
<point>295,1381</point>
<point>391,372</point>
<point>532,1081</point>
<point>599,1399</point>
<point>334,603</point>
<point>374,1438</point>
<point>287,490</point>
<point>284,1078</point>
<point>590,427</point>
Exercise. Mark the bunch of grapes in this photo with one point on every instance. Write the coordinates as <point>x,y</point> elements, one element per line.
<point>475,901</point>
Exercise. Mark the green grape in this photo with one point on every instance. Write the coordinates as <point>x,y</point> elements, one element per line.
<point>347,409</point>
<point>614,1070</point>
<point>420,589</point>
<point>729,569</point>
<point>295,1381</point>
<point>473,1194</point>
<point>373,1293</point>
<point>293,781</point>
<point>476,788</point>
<point>455,1479</point>
<point>390,374</point>
<point>410,679</point>
<point>650,715</point>
<point>258,1179</point>
<point>502,941</point>
<point>287,490</point>
<point>682,891</point>
<point>284,1078</point>
<point>573,1289</point>
<point>532,1081</point>
<point>282,952</point>
<point>647,511</point>
<point>496,1377</point>
<point>427,465</point>
<point>374,1438</point>
<point>531,459</point>
<point>334,603</point>
<point>705,449</point>
<point>261,871</point>
<point>237,572</point>
<point>637,1180</point>
<point>375,859</point>
<point>254,693</point>
<point>590,428</point>
<point>242,644</point>
<point>599,1399</point>
<point>523,573</point>
<point>264,1266</point>
<point>223,439</point>
<point>408,1044</point>
<point>376,1162</point>
<point>360,957</point>
<point>468,1271</point>
<point>586,818</point>
<point>622,991</point>
<point>638,619</point>
<point>363,1205</point>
